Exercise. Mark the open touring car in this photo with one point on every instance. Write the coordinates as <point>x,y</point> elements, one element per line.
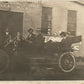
<point>47,55</point>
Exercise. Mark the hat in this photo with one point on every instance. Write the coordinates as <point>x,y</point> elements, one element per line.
<point>63,34</point>
<point>30,30</point>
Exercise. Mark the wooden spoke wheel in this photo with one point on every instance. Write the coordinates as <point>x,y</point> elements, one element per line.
<point>67,62</point>
<point>4,60</point>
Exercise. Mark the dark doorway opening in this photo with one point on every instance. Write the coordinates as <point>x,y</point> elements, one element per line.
<point>13,21</point>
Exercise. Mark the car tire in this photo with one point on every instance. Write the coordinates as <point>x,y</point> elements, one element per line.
<point>67,62</point>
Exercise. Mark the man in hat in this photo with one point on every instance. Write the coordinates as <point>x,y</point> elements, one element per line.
<point>30,38</point>
<point>63,35</point>
<point>39,41</point>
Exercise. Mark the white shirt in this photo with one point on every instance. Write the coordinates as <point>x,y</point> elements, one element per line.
<point>53,39</point>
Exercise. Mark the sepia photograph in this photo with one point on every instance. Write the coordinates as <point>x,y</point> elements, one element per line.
<point>42,40</point>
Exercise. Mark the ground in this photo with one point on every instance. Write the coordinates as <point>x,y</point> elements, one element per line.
<point>20,69</point>
<point>22,73</point>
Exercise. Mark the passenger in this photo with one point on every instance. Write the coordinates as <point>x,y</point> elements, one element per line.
<point>7,37</point>
<point>31,36</point>
<point>55,38</point>
<point>39,40</point>
<point>66,42</point>
<point>63,35</point>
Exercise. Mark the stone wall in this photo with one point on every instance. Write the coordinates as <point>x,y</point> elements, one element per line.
<point>31,13</point>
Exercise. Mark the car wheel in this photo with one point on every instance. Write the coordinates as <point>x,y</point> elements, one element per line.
<point>67,62</point>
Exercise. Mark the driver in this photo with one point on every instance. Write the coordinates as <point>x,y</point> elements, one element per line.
<point>30,38</point>
<point>39,40</point>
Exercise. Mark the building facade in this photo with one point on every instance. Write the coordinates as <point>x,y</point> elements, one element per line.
<point>68,16</point>
<point>50,16</point>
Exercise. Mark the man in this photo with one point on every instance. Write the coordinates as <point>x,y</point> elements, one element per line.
<point>67,41</point>
<point>30,38</point>
<point>7,37</point>
<point>39,40</point>
<point>63,35</point>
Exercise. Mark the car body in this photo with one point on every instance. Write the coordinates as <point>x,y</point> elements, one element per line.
<point>49,54</point>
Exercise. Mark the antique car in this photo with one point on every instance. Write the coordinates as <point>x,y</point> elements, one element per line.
<point>49,54</point>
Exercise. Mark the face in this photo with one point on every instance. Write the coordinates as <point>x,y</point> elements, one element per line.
<point>7,33</point>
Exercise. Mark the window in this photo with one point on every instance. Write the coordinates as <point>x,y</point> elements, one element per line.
<point>71,24</point>
<point>46,20</point>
